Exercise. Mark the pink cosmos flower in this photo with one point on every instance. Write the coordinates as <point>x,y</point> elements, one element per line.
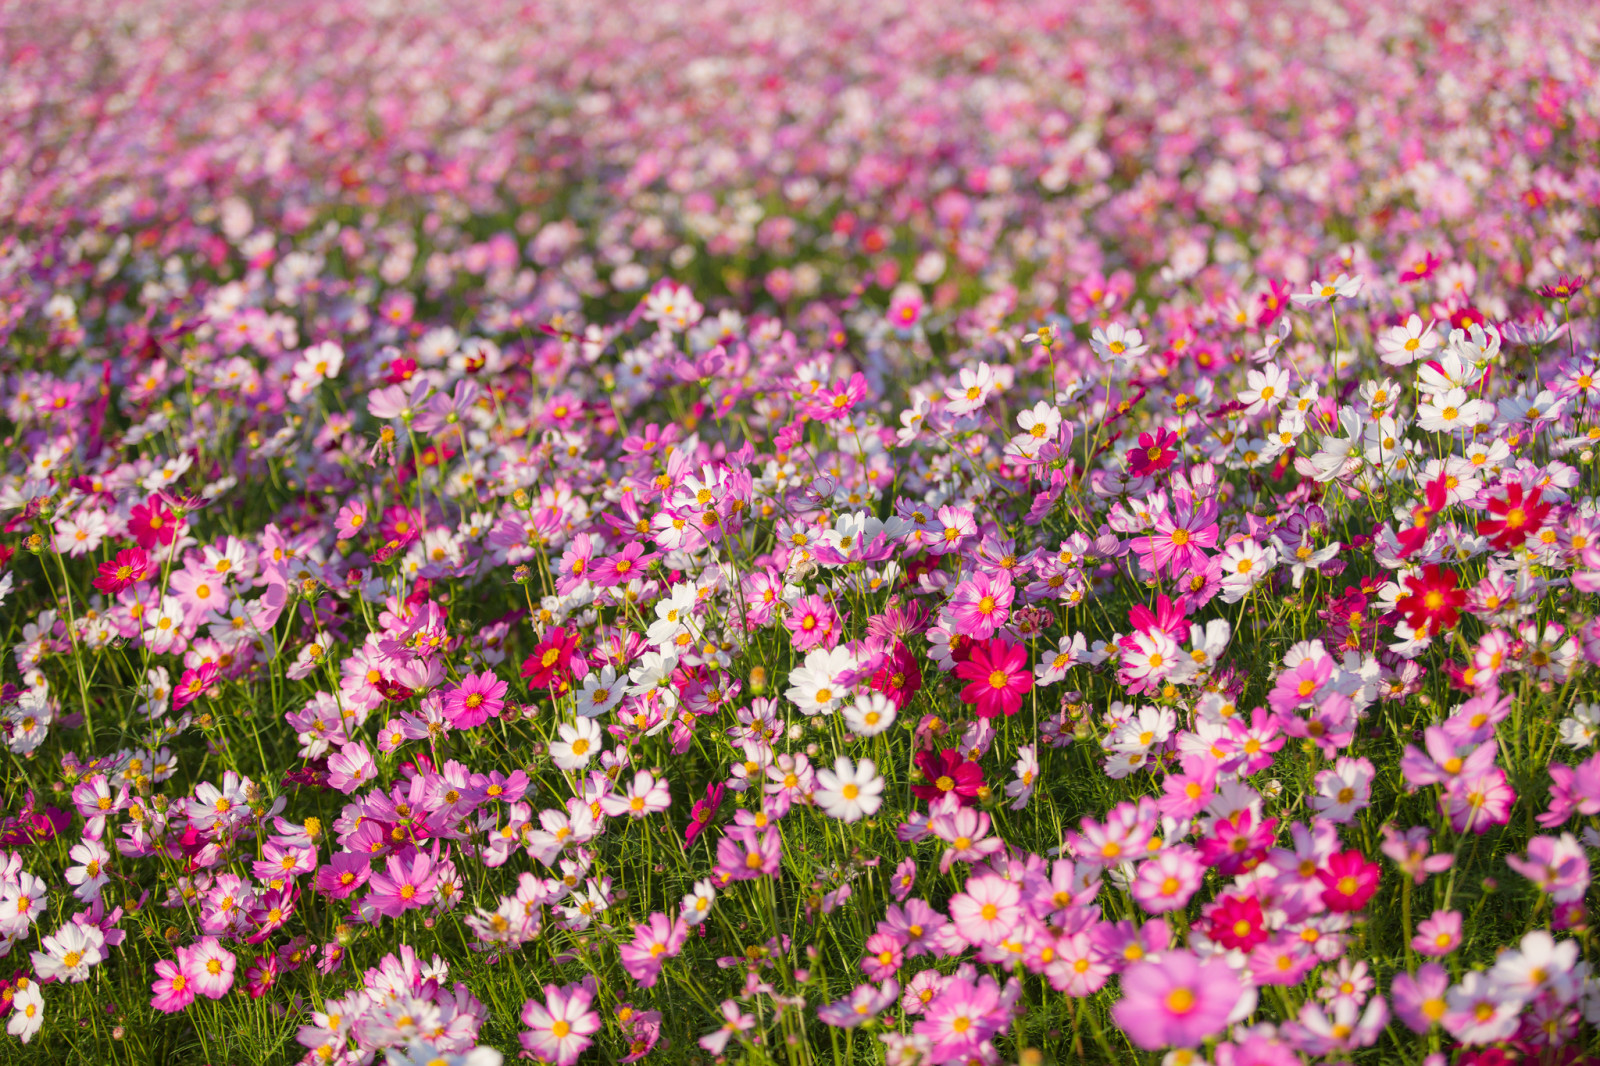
<point>812,622</point>
<point>172,990</point>
<point>1281,960</point>
<point>905,310</point>
<point>835,400</point>
<point>905,877</point>
<point>1072,963</point>
<point>1185,795</point>
<point>209,967</point>
<point>563,1026</point>
<point>920,990</point>
<point>152,524</point>
<point>1317,1031</point>
<point>271,911</point>
<point>1256,1050</point>
<point>1419,1000</point>
<point>1167,881</point>
<point>351,767</point>
<point>1478,803</point>
<point>478,698</point>
<point>704,810</point>
<point>917,928</point>
<point>1410,851</point>
<point>1559,866</point>
<point>962,1017</point>
<point>734,1021</point>
<point>1178,540</point>
<point>1237,843</point>
<point>1439,934</point>
<point>344,874</point>
<point>652,945</point>
<point>352,519</point>
<point>988,911</point>
<point>981,605</point>
<point>746,853</point>
<point>861,1005</point>
<point>403,887</point>
<point>884,956</point>
<point>130,567</point>
<point>630,563</point>
<point>1176,1002</point>
<point>1299,687</point>
<point>956,526</point>
<point>1237,922</point>
<point>647,795</point>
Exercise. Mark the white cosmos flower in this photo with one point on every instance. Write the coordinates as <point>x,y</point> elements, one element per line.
<point>579,743</point>
<point>849,792</point>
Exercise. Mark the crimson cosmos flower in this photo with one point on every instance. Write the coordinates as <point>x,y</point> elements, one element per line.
<point>1432,599</point>
<point>899,678</point>
<point>1412,538</point>
<point>1154,454</point>
<point>550,662</point>
<point>948,771</point>
<point>1521,514</point>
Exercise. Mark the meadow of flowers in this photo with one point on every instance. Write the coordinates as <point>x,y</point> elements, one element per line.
<point>940,532</point>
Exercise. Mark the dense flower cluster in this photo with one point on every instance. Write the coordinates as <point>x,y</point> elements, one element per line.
<point>692,532</point>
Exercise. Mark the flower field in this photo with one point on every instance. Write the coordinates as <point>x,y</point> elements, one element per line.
<point>965,532</point>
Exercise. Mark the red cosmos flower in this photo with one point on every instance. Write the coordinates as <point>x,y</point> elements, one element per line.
<point>1154,453</point>
<point>1237,922</point>
<point>151,523</point>
<point>1349,881</point>
<point>1413,538</point>
<point>1521,513</point>
<point>999,675</point>
<point>945,772</point>
<point>899,678</point>
<point>130,567</point>
<point>550,663</point>
<point>1432,599</point>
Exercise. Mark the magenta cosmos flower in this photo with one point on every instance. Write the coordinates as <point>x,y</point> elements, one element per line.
<point>999,676</point>
<point>477,699</point>
<point>1176,1002</point>
<point>1348,881</point>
